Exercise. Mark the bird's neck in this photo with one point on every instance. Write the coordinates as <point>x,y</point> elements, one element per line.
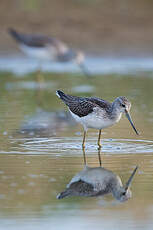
<point>115,112</point>
<point>116,187</point>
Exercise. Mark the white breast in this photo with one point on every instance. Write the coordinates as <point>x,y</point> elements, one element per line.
<point>43,53</point>
<point>95,120</point>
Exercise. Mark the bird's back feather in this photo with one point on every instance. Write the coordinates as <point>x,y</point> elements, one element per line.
<point>82,106</point>
<point>30,39</point>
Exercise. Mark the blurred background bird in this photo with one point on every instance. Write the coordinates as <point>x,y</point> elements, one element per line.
<point>46,48</point>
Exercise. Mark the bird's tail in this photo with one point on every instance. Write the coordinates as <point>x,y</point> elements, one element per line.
<point>65,98</point>
<point>66,193</point>
<point>14,34</point>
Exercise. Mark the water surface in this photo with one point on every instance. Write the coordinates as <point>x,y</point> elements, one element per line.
<point>40,151</point>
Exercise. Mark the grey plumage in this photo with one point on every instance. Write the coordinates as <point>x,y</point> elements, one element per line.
<point>79,188</point>
<point>93,182</point>
<point>48,48</point>
<point>62,52</point>
<point>30,39</point>
<point>67,56</point>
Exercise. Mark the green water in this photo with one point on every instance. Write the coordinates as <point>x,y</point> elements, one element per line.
<point>36,164</point>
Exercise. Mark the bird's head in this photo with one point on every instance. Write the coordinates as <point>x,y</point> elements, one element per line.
<point>123,106</point>
<point>123,193</point>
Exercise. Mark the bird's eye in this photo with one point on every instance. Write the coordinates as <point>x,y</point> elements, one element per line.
<point>123,105</point>
<point>124,193</point>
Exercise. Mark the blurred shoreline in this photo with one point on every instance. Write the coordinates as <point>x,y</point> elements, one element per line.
<point>101,27</point>
<point>20,64</point>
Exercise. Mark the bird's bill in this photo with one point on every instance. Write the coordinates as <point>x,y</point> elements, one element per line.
<point>131,178</point>
<point>131,122</point>
<point>84,70</point>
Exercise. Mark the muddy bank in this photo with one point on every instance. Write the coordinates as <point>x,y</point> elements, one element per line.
<point>101,26</point>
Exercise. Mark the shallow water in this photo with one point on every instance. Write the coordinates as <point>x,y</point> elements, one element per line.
<point>40,151</point>
<point>20,65</point>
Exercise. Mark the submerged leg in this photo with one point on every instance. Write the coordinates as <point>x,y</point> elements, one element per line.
<point>99,156</point>
<point>39,91</point>
<point>84,138</point>
<point>39,75</point>
<point>99,144</point>
<point>40,79</point>
<point>84,70</point>
<point>84,156</point>
<point>40,83</point>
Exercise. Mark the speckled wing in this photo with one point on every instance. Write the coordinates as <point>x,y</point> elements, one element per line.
<point>77,105</point>
<point>81,188</point>
<point>81,106</point>
<point>78,188</point>
<point>101,103</point>
<point>84,106</point>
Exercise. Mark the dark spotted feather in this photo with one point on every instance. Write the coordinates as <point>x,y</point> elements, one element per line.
<point>83,106</point>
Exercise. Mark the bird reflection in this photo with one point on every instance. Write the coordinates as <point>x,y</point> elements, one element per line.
<point>93,182</point>
<point>46,123</point>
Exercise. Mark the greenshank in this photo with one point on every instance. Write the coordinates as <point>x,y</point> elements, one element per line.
<point>96,113</point>
<point>45,48</point>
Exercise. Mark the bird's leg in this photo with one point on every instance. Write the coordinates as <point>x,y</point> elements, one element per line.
<point>99,144</point>
<point>40,78</point>
<point>84,156</point>
<point>40,82</point>
<point>99,156</point>
<point>84,70</point>
<point>84,138</point>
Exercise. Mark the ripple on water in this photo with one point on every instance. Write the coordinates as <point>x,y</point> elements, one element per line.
<point>64,145</point>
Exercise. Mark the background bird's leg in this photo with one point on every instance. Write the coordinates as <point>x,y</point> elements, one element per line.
<point>99,156</point>
<point>84,70</point>
<point>84,156</point>
<point>40,82</point>
<point>39,75</point>
<point>99,144</point>
<point>84,138</point>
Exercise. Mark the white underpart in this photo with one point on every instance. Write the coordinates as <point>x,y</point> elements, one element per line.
<point>96,120</point>
<point>41,53</point>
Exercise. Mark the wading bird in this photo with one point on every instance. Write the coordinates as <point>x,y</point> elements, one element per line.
<point>45,48</point>
<point>96,113</point>
<point>92,182</point>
